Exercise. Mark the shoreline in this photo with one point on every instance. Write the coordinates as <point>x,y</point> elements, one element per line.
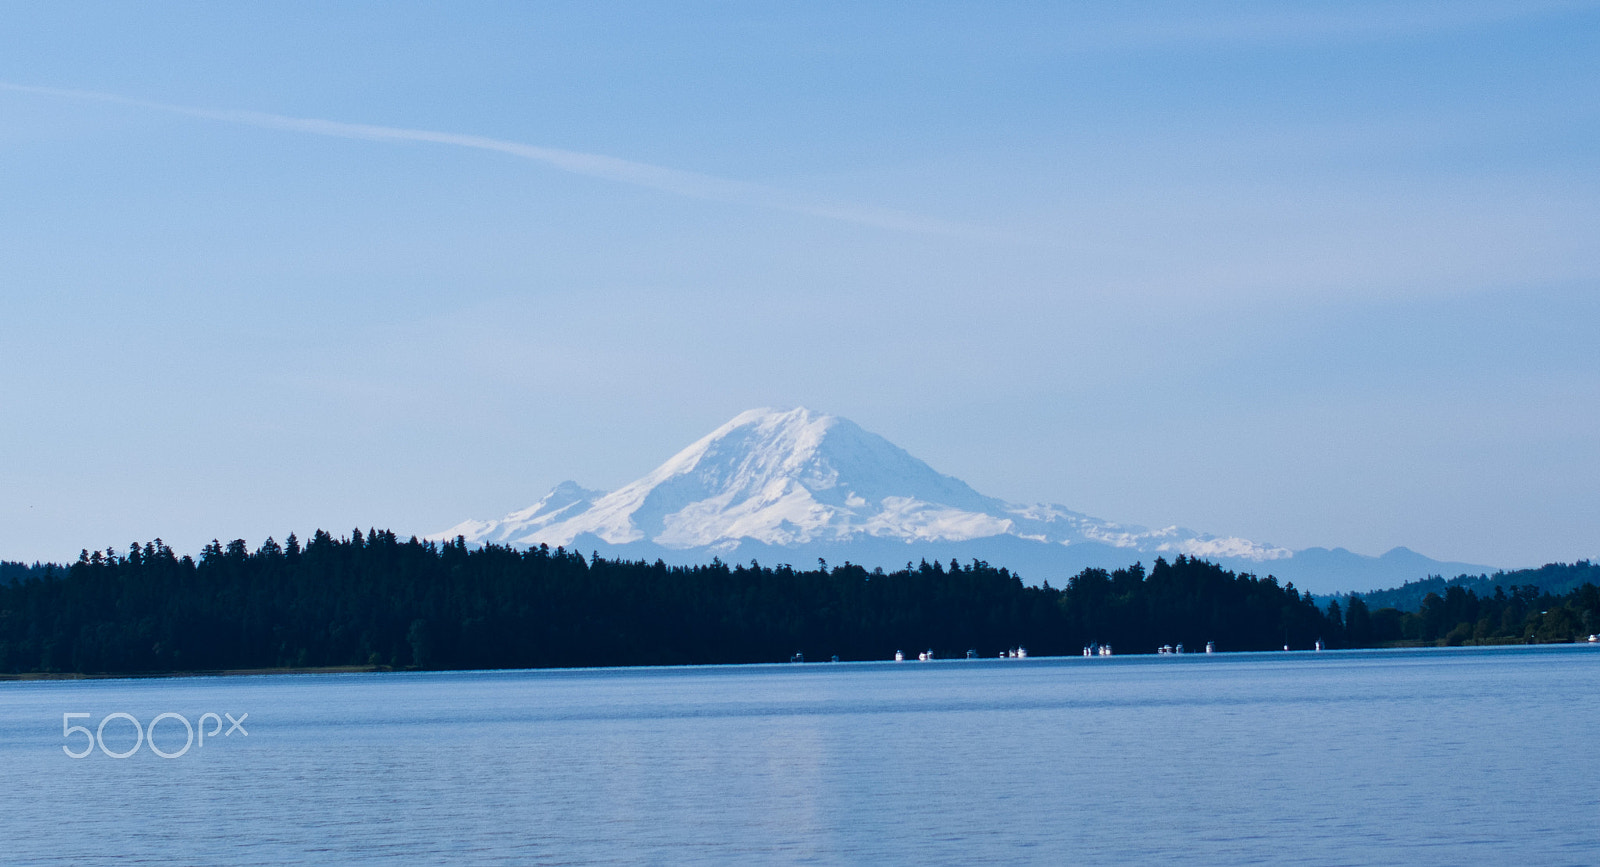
<point>375,669</point>
<point>225,672</point>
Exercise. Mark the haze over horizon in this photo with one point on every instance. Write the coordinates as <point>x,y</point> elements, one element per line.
<point>1311,276</point>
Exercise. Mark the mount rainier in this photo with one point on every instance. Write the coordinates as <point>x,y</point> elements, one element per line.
<point>793,486</point>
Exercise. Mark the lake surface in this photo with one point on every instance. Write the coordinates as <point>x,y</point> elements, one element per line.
<point>1465,756</point>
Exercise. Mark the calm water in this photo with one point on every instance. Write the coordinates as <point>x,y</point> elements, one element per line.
<point>1411,757</point>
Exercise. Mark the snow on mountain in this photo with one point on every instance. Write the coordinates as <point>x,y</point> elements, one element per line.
<point>567,498</point>
<point>787,479</point>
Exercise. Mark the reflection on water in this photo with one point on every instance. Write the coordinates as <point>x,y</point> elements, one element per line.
<point>1407,757</point>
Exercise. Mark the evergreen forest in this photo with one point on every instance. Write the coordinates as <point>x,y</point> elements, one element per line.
<point>373,600</point>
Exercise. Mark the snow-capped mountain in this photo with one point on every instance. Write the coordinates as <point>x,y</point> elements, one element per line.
<point>567,498</point>
<point>798,478</point>
<point>792,485</point>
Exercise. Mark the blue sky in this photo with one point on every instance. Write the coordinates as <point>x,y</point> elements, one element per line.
<point>1312,274</point>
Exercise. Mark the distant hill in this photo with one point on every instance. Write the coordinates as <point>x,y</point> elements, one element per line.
<point>1555,579</point>
<point>12,573</point>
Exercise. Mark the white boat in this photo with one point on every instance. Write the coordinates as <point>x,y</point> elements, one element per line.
<point>1022,653</point>
<point>1211,647</point>
<point>1319,645</point>
<point>899,657</point>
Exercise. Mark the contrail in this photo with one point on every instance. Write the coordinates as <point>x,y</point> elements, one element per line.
<point>674,181</point>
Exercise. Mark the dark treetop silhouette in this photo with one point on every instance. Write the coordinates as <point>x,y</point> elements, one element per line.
<point>371,599</point>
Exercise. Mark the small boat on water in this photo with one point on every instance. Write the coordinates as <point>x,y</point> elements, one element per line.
<point>1211,647</point>
<point>899,657</point>
<point>1319,645</point>
<point>799,657</point>
<point>972,654</point>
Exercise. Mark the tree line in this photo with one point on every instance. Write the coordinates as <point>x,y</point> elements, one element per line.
<point>11,573</point>
<point>1556,579</point>
<point>374,600</point>
<point>1526,615</point>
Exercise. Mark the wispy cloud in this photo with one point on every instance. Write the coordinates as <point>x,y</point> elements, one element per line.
<point>668,180</point>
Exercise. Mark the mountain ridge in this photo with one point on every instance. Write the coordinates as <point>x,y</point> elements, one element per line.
<point>772,482</point>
